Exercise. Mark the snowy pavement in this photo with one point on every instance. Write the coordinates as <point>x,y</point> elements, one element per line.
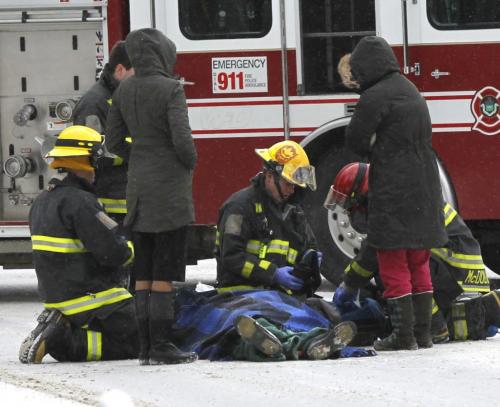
<point>456,374</point>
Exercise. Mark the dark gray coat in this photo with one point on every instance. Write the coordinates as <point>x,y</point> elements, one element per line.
<point>405,200</point>
<point>151,107</point>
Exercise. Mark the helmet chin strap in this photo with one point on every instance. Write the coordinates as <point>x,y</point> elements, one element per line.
<point>276,178</point>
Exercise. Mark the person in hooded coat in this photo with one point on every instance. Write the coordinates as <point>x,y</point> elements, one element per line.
<point>151,108</point>
<point>391,126</point>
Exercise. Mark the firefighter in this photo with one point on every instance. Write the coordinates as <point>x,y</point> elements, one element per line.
<point>151,108</point>
<point>263,238</point>
<point>463,305</point>
<point>76,247</point>
<point>92,111</point>
<point>264,242</point>
<point>392,127</point>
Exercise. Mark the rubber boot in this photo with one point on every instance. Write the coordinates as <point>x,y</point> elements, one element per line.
<point>422,307</point>
<point>161,317</point>
<point>142,316</point>
<point>255,334</point>
<point>401,338</point>
<point>325,345</point>
<point>439,328</point>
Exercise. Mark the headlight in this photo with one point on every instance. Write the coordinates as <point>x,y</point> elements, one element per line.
<point>17,166</point>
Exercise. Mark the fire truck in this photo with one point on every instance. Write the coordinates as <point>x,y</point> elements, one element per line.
<point>256,72</point>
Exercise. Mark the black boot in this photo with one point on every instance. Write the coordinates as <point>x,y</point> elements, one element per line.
<point>439,328</point>
<point>161,317</point>
<point>422,307</point>
<point>491,302</point>
<point>401,338</point>
<point>142,315</point>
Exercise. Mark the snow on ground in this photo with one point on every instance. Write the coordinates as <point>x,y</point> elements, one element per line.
<point>456,374</point>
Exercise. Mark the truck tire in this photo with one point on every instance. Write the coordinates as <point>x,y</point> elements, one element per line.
<point>337,240</point>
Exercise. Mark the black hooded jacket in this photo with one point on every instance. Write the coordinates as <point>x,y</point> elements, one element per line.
<point>151,108</point>
<point>405,199</point>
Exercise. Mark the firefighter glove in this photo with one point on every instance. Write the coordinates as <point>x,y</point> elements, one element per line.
<point>283,276</point>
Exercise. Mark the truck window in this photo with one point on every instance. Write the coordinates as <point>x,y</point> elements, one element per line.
<point>463,14</point>
<point>216,19</point>
<point>330,29</point>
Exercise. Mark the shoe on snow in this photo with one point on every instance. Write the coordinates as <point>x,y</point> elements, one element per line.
<point>255,334</point>
<point>34,347</point>
<point>326,344</point>
<point>169,354</point>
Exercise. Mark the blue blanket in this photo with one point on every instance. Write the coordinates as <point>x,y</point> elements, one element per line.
<point>205,320</point>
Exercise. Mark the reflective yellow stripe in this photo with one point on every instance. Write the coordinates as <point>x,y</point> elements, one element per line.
<point>258,207</point>
<point>247,269</point>
<point>128,139</point>
<point>94,346</point>
<point>217,238</point>
<point>449,214</point>
<point>354,266</point>
<point>117,161</point>
<point>463,261</point>
<point>253,247</point>
<point>291,257</point>
<point>57,244</point>
<point>459,323</point>
<point>239,288</point>
<point>435,308</point>
<point>110,102</point>
<point>474,288</point>
<point>262,251</point>
<point>278,247</point>
<point>114,205</point>
<point>132,254</point>
<point>264,264</point>
<point>89,302</point>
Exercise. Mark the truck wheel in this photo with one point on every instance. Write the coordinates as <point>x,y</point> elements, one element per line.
<point>336,238</point>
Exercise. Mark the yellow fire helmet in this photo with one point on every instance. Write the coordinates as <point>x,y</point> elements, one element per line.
<point>290,161</point>
<point>76,141</point>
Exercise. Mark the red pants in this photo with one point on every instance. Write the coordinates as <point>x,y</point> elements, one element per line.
<point>404,271</point>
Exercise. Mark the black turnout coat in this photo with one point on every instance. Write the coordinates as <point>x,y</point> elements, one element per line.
<point>405,199</point>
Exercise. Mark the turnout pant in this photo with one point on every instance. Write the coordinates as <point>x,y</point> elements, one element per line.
<point>106,333</point>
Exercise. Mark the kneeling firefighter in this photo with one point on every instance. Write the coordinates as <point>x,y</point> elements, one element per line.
<point>462,305</point>
<point>76,248</point>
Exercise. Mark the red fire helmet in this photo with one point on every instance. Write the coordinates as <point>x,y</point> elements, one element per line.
<point>349,187</point>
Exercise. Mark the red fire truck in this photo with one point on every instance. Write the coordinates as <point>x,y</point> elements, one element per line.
<point>256,72</point>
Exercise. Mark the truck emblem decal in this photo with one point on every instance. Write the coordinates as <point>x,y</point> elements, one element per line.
<point>485,108</point>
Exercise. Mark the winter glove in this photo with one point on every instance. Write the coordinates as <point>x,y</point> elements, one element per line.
<point>307,270</point>
<point>283,276</point>
<point>344,294</point>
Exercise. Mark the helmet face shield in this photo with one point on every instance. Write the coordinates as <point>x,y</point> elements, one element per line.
<point>305,175</point>
<point>335,198</point>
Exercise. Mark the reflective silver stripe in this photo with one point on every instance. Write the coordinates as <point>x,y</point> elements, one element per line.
<point>463,261</point>
<point>94,345</point>
<point>291,257</point>
<point>91,301</point>
<point>278,247</point>
<point>57,244</point>
<point>114,205</point>
<point>253,247</point>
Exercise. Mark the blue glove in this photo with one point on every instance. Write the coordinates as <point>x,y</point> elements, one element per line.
<point>343,295</point>
<point>283,276</point>
<point>491,331</point>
